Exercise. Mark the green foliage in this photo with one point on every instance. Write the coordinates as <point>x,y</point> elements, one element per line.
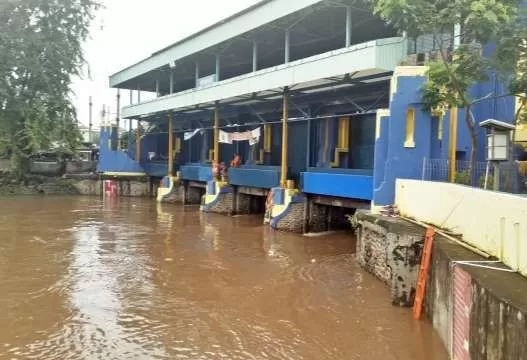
<point>40,50</point>
<point>452,75</point>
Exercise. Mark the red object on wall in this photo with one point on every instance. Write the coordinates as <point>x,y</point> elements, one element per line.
<point>461,305</point>
<point>110,188</point>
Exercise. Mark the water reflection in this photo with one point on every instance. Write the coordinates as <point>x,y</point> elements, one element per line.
<point>131,279</point>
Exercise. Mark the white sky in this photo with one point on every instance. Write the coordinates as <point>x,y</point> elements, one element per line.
<point>127,31</point>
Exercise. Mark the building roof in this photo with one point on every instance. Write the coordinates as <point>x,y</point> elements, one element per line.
<point>244,21</point>
<point>497,124</point>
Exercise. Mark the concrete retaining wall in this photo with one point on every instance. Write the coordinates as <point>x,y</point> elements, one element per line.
<point>491,221</point>
<point>391,250</point>
<point>497,306</point>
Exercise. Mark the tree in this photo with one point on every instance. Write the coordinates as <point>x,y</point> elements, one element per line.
<point>40,51</point>
<point>460,61</point>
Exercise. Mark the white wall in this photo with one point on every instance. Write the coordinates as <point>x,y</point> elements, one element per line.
<point>493,222</point>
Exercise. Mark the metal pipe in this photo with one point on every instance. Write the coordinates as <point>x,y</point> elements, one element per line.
<point>255,56</point>
<point>170,145</point>
<point>216,133</point>
<point>291,120</point>
<point>285,134</point>
<point>287,52</point>
<point>349,26</point>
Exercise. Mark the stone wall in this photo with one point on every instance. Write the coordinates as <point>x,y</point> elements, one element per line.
<point>177,195</point>
<point>391,250</point>
<point>193,195</point>
<point>316,217</point>
<point>224,203</point>
<point>293,220</point>
<point>242,203</point>
<point>89,187</point>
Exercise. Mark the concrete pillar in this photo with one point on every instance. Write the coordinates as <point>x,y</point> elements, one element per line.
<point>131,97</point>
<point>217,132</point>
<point>118,118</point>
<point>171,90</point>
<point>129,134</point>
<point>197,74</point>
<point>308,146</point>
<point>138,94</point>
<point>452,146</point>
<point>157,88</point>
<point>287,52</point>
<point>349,26</point>
<point>218,63</point>
<point>170,145</point>
<point>255,56</point>
<point>285,134</point>
<point>138,142</point>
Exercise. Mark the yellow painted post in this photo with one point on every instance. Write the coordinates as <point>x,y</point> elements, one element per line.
<point>138,142</point>
<point>285,132</point>
<point>452,145</point>
<point>217,133</point>
<point>170,146</point>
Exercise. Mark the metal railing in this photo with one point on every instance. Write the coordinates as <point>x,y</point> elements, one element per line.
<point>512,180</point>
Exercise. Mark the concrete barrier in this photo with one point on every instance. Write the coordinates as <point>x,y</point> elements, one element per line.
<point>491,221</point>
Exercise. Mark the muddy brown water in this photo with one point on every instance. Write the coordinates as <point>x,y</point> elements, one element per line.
<point>129,279</point>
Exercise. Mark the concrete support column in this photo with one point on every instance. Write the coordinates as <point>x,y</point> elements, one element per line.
<point>129,135</point>
<point>308,146</point>
<point>217,132</point>
<point>452,146</point>
<point>138,141</point>
<point>197,74</point>
<point>157,88</point>
<point>138,94</point>
<point>218,64</point>
<point>171,90</point>
<point>255,56</point>
<point>287,52</point>
<point>285,134</point>
<point>131,97</point>
<point>170,145</point>
<point>118,118</point>
<point>349,26</point>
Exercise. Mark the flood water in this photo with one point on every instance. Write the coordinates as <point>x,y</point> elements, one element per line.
<point>129,279</point>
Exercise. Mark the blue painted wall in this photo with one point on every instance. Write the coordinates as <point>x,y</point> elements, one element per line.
<point>393,160</point>
<point>114,160</point>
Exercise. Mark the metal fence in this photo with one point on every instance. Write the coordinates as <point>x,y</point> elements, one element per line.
<point>512,178</point>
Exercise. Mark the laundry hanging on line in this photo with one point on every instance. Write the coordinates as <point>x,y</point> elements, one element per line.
<point>190,134</point>
<point>253,136</point>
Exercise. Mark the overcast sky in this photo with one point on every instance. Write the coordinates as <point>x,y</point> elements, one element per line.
<point>126,32</point>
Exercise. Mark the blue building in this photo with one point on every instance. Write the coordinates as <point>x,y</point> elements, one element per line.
<point>312,98</point>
